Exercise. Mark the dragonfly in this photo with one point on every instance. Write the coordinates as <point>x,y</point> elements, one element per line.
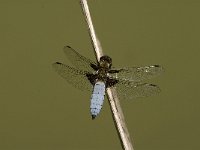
<point>96,77</point>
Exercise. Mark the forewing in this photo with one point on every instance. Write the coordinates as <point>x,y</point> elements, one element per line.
<point>131,90</point>
<point>137,74</point>
<point>75,77</point>
<point>79,61</point>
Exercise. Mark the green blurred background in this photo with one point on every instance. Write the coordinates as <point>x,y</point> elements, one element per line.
<point>40,111</point>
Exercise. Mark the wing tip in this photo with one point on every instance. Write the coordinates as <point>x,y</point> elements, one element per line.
<point>68,49</point>
<point>67,46</point>
<point>159,68</point>
<point>156,65</point>
<point>156,87</point>
<point>153,85</point>
<point>56,63</point>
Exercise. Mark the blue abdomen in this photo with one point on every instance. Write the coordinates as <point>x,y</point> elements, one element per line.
<point>97,98</point>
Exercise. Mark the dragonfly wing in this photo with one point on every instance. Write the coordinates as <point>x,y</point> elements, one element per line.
<point>136,74</point>
<point>78,60</point>
<point>75,77</point>
<point>131,90</point>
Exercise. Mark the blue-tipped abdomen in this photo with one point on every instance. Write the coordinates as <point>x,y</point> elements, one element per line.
<point>97,98</point>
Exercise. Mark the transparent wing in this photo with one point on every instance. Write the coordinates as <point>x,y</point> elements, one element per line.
<point>75,77</point>
<point>79,61</point>
<point>131,90</point>
<point>136,74</point>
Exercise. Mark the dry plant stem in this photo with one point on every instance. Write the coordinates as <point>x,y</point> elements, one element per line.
<point>95,42</point>
<point>111,92</point>
<point>119,119</point>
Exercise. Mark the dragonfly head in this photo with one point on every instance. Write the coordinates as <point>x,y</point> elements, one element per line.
<point>105,62</point>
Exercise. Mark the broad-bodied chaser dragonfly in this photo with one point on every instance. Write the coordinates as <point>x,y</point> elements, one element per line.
<point>96,77</point>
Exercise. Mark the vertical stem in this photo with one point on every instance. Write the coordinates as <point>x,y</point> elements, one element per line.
<point>111,92</point>
<point>119,119</point>
<point>95,42</point>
